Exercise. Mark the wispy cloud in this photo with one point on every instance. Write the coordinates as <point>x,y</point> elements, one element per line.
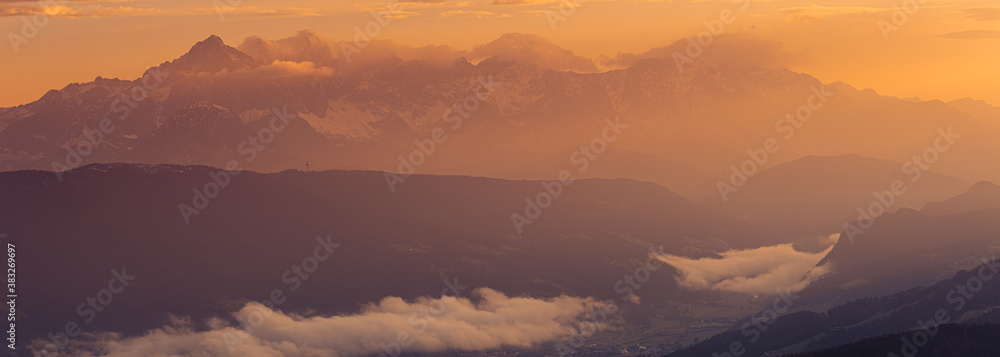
<point>974,35</point>
<point>61,1</point>
<point>280,69</point>
<point>431,325</point>
<point>80,8</point>
<point>520,2</point>
<point>817,12</point>
<point>258,11</point>
<point>76,10</point>
<point>466,13</point>
<point>983,13</point>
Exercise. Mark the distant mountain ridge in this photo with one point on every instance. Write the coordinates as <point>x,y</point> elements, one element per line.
<point>816,195</point>
<point>366,114</point>
<point>983,194</point>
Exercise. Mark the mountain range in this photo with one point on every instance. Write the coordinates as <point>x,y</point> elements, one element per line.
<point>685,129</point>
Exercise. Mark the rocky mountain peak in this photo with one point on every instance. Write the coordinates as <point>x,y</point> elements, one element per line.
<point>211,56</point>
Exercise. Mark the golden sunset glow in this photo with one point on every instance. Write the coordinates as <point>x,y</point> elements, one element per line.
<point>500,178</point>
<point>943,50</point>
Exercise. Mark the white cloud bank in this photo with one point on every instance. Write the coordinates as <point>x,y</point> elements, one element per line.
<point>753,271</point>
<point>429,325</point>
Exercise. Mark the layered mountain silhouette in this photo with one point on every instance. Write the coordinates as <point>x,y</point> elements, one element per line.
<point>70,234</point>
<point>979,109</point>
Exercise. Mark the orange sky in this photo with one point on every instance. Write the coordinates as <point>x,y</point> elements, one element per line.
<point>942,50</point>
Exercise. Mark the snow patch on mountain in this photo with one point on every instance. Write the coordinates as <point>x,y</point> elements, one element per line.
<point>344,120</point>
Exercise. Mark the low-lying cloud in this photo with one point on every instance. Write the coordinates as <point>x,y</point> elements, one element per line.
<point>738,51</point>
<point>279,69</point>
<point>753,271</point>
<point>310,46</point>
<point>974,35</point>
<point>431,325</point>
<point>525,49</point>
<point>304,46</point>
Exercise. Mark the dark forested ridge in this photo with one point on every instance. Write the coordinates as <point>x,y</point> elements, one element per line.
<point>950,340</point>
<point>971,296</point>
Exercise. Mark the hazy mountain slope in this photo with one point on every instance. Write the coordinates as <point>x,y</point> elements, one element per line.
<point>104,217</point>
<point>981,110</point>
<point>902,250</point>
<point>202,133</point>
<point>983,194</point>
<point>818,195</point>
<point>617,163</point>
